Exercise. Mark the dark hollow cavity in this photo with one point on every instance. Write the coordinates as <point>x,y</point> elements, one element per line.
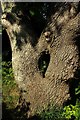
<point>43,62</point>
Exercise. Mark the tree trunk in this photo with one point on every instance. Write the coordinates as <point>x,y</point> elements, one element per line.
<point>57,46</point>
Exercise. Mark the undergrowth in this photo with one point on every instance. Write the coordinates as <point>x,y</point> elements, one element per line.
<point>9,87</point>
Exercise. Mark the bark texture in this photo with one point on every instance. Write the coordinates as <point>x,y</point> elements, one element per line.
<point>59,48</point>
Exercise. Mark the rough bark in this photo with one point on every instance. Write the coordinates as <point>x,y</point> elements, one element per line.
<point>54,86</point>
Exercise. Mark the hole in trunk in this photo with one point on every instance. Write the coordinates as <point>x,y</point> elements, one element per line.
<point>43,62</point>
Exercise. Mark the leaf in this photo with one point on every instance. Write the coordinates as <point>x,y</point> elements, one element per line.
<point>32,13</point>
